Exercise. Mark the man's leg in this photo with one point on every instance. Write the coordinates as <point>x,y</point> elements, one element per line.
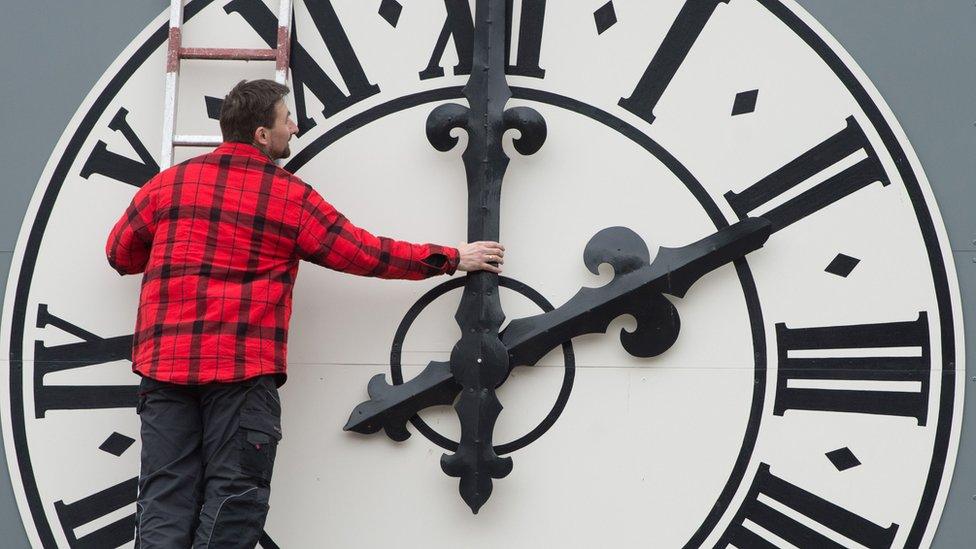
<point>242,427</point>
<point>172,465</point>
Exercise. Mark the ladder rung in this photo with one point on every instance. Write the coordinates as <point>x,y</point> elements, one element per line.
<point>197,140</point>
<point>240,54</point>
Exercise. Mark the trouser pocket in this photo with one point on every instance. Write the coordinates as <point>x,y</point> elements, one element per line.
<point>260,430</point>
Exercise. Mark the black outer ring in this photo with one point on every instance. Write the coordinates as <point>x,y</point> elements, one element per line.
<point>564,391</point>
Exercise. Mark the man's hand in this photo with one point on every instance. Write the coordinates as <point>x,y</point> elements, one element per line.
<point>477,256</point>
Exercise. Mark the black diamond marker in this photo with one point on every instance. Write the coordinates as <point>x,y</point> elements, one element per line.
<point>605,17</point>
<point>745,102</point>
<point>842,265</point>
<point>390,11</point>
<point>116,444</point>
<point>843,459</point>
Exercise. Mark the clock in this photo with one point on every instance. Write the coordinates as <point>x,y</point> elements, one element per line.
<point>810,395</point>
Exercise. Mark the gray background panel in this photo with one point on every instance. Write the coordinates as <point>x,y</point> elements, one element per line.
<point>921,55</point>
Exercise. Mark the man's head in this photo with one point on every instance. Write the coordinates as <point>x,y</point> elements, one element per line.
<point>255,113</point>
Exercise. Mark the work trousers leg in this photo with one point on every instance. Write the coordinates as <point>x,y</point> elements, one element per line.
<point>207,457</point>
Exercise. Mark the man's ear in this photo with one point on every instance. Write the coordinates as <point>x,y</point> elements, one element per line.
<point>261,135</point>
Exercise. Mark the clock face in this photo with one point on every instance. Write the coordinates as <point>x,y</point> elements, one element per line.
<point>813,394</point>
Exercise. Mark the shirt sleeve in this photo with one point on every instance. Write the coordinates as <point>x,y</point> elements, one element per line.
<point>131,238</point>
<point>327,238</point>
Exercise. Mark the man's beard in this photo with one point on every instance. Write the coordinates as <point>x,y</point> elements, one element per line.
<point>274,157</point>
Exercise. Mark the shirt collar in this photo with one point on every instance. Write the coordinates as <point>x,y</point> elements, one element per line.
<point>240,149</point>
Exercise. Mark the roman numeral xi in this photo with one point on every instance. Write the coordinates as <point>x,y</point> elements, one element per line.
<point>305,72</point>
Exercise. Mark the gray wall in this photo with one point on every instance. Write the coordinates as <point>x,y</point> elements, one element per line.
<point>920,54</point>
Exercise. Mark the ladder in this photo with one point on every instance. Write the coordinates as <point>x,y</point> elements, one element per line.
<point>176,53</point>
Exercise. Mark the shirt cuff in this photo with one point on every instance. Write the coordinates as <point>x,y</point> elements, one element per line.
<point>443,259</point>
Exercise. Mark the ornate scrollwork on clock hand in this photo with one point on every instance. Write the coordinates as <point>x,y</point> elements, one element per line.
<point>637,289</point>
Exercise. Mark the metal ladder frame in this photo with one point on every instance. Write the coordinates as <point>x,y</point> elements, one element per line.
<point>176,53</point>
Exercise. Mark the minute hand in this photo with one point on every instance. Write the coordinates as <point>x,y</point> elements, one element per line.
<point>635,289</point>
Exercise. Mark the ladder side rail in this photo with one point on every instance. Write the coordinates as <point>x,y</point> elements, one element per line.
<point>284,41</point>
<point>172,81</point>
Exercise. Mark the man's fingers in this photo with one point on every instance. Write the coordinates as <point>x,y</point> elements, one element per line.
<point>494,258</point>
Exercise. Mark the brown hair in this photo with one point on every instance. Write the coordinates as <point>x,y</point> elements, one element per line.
<point>247,107</point>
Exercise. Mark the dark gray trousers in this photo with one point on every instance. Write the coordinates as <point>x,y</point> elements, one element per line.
<point>207,456</point>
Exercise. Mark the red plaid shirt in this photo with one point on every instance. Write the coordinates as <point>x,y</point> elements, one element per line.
<point>219,238</point>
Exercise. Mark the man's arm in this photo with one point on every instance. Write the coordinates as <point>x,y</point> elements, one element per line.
<point>131,238</point>
<point>327,238</point>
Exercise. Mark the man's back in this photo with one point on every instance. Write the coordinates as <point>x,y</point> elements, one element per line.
<point>219,238</point>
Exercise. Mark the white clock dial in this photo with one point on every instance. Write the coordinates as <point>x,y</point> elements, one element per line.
<point>814,391</point>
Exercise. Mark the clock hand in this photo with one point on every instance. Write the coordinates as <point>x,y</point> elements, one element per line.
<point>636,289</point>
<point>479,361</point>
<point>673,271</point>
<point>390,406</point>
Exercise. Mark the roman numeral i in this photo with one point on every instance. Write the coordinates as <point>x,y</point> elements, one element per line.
<point>685,30</point>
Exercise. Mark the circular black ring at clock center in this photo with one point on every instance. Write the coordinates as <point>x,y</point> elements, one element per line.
<point>396,371</point>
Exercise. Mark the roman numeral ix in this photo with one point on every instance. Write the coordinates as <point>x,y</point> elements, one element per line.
<point>58,358</point>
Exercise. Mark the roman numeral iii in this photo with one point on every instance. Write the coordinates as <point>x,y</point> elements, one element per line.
<point>859,353</point>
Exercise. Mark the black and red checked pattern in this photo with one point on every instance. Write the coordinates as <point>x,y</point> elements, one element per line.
<point>219,238</point>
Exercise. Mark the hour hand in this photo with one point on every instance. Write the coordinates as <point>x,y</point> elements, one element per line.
<point>636,289</point>
<point>390,406</point>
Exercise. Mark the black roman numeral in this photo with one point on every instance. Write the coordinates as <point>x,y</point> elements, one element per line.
<point>305,72</point>
<point>685,30</point>
<point>92,350</point>
<point>459,25</point>
<point>116,166</point>
<point>832,516</point>
<point>912,334</point>
<point>838,147</point>
<point>95,506</point>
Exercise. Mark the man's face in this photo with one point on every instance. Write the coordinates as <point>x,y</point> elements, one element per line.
<point>278,135</point>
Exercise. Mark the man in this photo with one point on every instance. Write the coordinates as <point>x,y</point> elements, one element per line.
<point>219,238</point>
